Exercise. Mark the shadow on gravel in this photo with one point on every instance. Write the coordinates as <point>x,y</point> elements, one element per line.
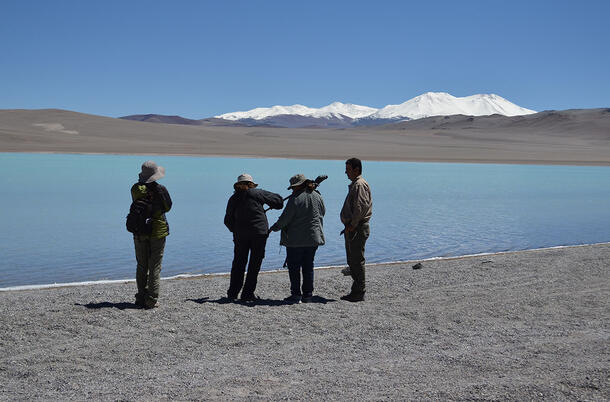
<point>321,300</point>
<point>259,302</point>
<point>120,306</point>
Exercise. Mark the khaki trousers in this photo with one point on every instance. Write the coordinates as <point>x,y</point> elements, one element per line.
<point>149,254</point>
<point>354,248</point>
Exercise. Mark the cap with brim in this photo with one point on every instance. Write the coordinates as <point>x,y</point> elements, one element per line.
<point>245,178</point>
<point>151,172</point>
<point>297,180</point>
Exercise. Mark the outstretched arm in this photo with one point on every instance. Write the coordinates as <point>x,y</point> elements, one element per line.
<point>274,200</point>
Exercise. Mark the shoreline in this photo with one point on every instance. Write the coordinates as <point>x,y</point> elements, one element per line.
<point>255,156</point>
<point>578,138</point>
<point>21,288</point>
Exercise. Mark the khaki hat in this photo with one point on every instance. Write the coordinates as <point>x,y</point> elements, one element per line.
<point>151,172</point>
<point>297,180</point>
<point>245,177</point>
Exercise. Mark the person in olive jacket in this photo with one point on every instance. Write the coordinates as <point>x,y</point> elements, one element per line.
<point>149,248</point>
<point>246,219</point>
<point>301,225</point>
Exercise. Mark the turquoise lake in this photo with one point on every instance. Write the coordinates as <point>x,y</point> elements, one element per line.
<point>63,216</point>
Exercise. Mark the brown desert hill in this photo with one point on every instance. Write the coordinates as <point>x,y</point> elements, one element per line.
<point>214,121</point>
<point>565,137</point>
<point>160,118</point>
<point>165,119</point>
<point>575,122</point>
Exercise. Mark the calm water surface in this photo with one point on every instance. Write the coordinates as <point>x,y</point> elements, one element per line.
<point>64,215</point>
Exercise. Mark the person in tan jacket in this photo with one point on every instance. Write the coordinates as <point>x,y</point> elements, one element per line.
<point>355,215</point>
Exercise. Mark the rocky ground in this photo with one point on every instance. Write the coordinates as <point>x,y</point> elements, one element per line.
<point>515,326</point>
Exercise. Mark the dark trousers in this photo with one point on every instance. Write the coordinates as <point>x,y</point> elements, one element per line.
<point>254,245</point>
<point>354,248</point>
<point>301,258</point>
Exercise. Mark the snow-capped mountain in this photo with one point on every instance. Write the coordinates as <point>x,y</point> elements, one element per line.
<point>339,114</point>
<point>337,109</point>
<point>444,104</point>
<point>334,110</point>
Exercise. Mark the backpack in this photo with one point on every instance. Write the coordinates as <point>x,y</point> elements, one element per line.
<point>139,219</point>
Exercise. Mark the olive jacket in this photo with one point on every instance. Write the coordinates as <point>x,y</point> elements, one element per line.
<point>302,221</point>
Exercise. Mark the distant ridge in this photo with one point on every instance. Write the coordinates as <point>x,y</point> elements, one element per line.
<point>594,123</point>
<point>345,115</point>
<point>159,118</point>
<point>339,114</point>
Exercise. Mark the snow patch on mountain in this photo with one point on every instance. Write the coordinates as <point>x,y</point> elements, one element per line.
<point>336,109</point>
<point>444,104</point>
<point>425,105</point>
<point>263,112</point>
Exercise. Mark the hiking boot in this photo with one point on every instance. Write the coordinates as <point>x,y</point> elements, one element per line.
<point>249,299</point>
<point>353,297</point>
<point>346,271</point>
<point>307,299</point>
<point>294,299</point>
<point>228,299</point>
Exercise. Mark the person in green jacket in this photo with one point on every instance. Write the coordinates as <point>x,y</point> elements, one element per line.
<point>149,248</point>
<point>301,224</point>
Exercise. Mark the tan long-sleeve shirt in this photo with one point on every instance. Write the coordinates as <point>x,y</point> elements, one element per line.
<point>358,205</point>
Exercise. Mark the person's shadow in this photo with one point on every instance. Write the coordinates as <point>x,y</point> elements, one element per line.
<point>259,302</point>
<point>120,306</point>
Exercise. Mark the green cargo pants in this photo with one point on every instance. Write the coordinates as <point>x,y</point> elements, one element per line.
<point>354,248</point>
<point>149,254</point>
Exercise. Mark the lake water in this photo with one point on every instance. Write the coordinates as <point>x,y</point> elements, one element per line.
<point>63,216</point>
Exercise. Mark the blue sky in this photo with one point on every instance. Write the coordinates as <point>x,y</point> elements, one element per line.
<point>197,59</point>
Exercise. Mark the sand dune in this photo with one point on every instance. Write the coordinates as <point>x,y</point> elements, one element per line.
<point>567,137</point>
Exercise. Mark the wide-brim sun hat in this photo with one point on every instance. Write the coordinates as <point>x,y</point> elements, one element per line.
<point>245,178</point>
<point>297,180</point>
<point>151,172</point>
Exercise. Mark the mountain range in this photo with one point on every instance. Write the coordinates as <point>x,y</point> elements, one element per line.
<point>344,115</point>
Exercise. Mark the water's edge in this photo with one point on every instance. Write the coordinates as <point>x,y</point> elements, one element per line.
<point>297,158</point>
<point>195,276</point>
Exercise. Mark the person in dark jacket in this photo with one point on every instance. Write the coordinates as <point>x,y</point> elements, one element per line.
<point>149,248</point>
<point>246,219</point>
<point>301,225</point>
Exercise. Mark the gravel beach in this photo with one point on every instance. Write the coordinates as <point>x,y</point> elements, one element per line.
<point>511,326</point>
